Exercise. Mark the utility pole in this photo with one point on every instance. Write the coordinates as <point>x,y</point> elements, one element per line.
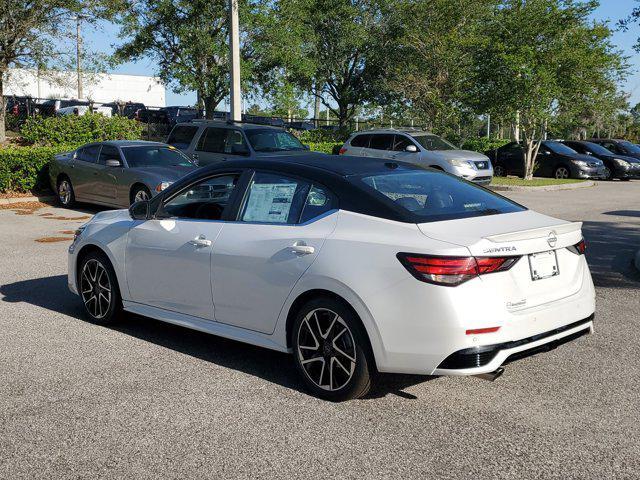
<point>234,45</point>
<point>488,125</point>
<point>79,57</point>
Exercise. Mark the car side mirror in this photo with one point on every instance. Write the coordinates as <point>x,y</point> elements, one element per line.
<point>112,162</point>
<point>139,210</point>
<point>411,149</point>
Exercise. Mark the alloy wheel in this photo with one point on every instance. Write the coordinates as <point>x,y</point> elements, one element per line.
<point>141,196</point>
<point>562,172</point>
<point>498,171</point>
<point>64,192</point>
<point>95,288</point>
<point>607,173</point>
<point>326,349</point>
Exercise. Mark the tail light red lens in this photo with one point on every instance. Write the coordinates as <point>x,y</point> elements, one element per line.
<point>579,248</point>
<point>342,150</point>
<point>452,271</point>
<point>15,110</point>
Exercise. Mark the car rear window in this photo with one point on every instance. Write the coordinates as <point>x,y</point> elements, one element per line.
<point>431,196</point>
<point>181,136</point>
<point>360,141</point>
<point>155,156</point>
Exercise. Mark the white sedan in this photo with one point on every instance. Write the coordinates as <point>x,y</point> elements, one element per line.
<point>353,265</point>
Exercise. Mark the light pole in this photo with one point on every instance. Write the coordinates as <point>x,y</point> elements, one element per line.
<point>234,45</point>
<point>79,56</point>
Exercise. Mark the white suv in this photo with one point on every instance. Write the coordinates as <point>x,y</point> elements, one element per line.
<point>420,148</point>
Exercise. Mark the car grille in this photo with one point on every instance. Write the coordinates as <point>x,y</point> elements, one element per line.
<point>480,356</point>
<point>593,164</point>
<point>482,165</point>
<point>482,179</point>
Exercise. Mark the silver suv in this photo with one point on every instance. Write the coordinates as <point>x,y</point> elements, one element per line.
<point>421,148</point>
<point>212,141</point>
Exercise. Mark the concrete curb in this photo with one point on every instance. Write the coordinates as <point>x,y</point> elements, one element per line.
<point>637,260</point>
<point>545,188</point>
<point>9,201</point>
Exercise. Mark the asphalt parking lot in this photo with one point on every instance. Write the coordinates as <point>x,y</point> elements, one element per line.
<point>149,400</point>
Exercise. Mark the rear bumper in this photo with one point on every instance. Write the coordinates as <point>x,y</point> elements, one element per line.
<point>488,358</point>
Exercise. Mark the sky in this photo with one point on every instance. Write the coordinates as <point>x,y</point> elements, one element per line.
<point>104,37</point>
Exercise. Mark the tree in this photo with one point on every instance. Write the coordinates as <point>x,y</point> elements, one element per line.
<point>334,49</point>
<point>538,58</point>
<point>634,17</point>
<point>187,39</point>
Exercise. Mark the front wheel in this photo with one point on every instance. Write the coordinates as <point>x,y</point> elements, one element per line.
<point>330,349</point>
<point>499,171</point>
<point>562,172</point>
<point>607,175</point>
<point>98,288</point>
<point>66,197</point>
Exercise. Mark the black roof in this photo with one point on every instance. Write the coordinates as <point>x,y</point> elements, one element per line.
<point>215,122</point>
<point>332,171</point>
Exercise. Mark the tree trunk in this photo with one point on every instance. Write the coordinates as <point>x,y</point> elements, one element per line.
<point>530,154</point>
<point>210,104</point>
<point>3,136</point>
<point>316,104</point>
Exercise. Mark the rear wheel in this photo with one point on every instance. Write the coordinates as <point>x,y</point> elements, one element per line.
<point>66,197</point>
<point>98,287</point>
<point>330,350</point>
<point>562,172</point>
<point>607,175</point>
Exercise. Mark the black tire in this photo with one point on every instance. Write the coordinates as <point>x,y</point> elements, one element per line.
<point>499,171</point>
<point>64,192</point>
<point>97,279</point>
<point>343,344</point>
<point>626,179</point>
<point>139,191</point>
<point>608,174</point>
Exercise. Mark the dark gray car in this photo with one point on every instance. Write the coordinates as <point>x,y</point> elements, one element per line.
<point>116,173</point>
<point>211,141</point>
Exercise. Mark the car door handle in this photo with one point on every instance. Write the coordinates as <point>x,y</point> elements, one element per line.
<point>302,249</point>
<point>200,241</point>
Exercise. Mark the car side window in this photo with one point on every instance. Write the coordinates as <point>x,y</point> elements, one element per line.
<point>212,140</point>
<point>205,200</point>
<point>181,136</point>
<point>360,141</point>
<point>401,142</point>
<point>274,198</point>
<point>318,202</point>
<point>108,152</point>
<point>234,143</point>
<point>381,142</point>
<point>89,154</point>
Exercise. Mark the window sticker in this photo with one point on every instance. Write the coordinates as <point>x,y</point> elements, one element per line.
<point>269,202</point>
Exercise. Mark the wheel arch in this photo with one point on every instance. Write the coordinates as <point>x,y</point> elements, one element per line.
<point>94,248</point>
<point>134,186</point>
<point>304,297</point>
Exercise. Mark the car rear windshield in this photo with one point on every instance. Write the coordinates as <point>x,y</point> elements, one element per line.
<point>433,142</point>
<point>431,196</point>
<point>630,146</point>
<point>154,156</point>
<point>597,149</point>
<point>560,148</point>
<point>268,140</point>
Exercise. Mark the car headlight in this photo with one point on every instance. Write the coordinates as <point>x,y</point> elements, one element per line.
<point>161,186</point>
<point>621,162</point>
<point>580,163</point>
<point>462,163</point>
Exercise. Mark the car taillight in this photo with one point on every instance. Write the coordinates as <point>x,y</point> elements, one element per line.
<point>15,110</point>
<point>579,248</point>
<point>452,271</point>
<point>342,150</point>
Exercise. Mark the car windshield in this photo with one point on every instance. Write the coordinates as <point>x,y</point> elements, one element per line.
<point>433,196</point>
<point>597,149</point>
<point>560,148</point>
<point>433,142</point>
<point>155,156</point>
<point>268,140</point>
<point>633,148</point>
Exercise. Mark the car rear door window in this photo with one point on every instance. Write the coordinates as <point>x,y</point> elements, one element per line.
<point>274,198</point>
<point>108,152</point>
<point>319,201</point>
<point>181,136</point>
<point>89,153</point>
<point>361,141</point>
<point>212,140</point>
<point>381,142</point>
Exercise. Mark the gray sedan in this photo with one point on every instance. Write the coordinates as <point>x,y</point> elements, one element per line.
<point>116,173</point>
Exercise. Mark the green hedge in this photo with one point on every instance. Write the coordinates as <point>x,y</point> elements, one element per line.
<point>72,129</point>
<point>482,144</point>
<point>325,147</point>
<point>323,136</point>
<point>23,169</point>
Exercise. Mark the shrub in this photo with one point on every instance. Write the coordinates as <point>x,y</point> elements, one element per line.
<point>72,129</point>
<point>325,147</point>
<point>323,136</point>
<point>482,144</point>
<point>23,169</point>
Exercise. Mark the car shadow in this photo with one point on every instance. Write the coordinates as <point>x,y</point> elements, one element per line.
<point>611,248</point>
<point>51,293</point>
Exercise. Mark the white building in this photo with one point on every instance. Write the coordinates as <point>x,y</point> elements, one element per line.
<point>101,87</point>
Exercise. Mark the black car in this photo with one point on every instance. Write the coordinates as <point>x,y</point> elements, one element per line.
<point>129,109</point>
<point>177,115</point>
<point>302,126</point>
<point>616,166</point>
<point>619,147</point>
<point>553,160</point>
